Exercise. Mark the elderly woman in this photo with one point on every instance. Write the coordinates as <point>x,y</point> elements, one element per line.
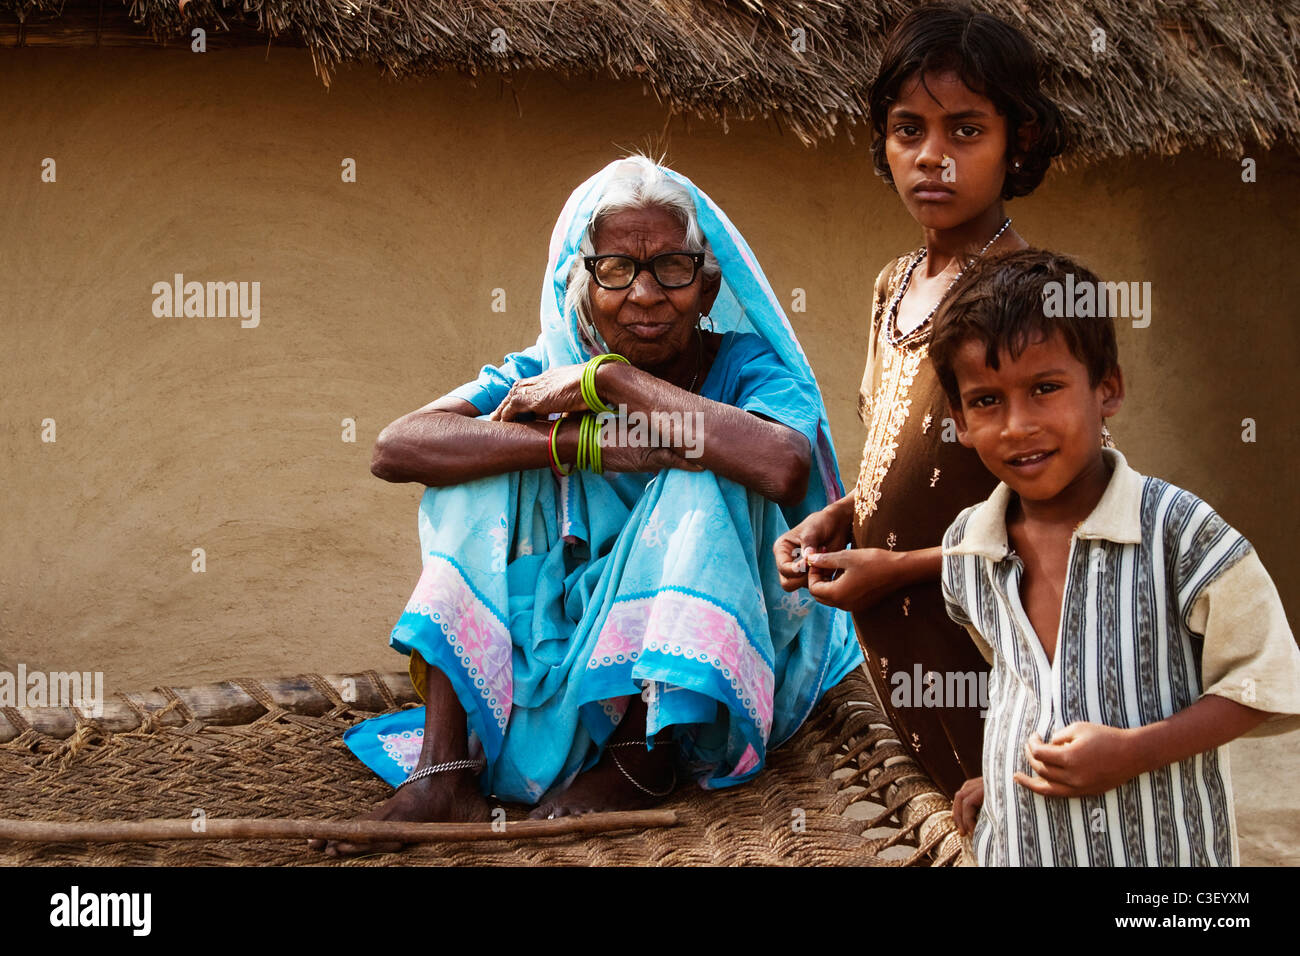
<point>600,610</point>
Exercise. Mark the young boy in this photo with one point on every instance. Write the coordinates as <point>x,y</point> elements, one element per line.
<point>1131,631</point>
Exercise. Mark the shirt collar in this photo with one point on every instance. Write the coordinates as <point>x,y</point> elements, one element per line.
<point>1117,516</point>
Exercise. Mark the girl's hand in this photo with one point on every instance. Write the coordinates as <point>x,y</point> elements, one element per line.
<point>557,389</point>
<point>827,530</point>
<point>855,579</point>
<point>966,805</point>
<point>1082,760</point>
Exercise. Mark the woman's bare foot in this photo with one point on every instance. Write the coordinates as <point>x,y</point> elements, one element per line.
<point>606,787</point>
<point>451,797</point>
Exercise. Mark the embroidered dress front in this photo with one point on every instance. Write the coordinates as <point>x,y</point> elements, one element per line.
<point>914,479</point>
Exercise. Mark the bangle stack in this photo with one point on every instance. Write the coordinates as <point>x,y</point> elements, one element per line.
<point>589,443</point>
<point>588,446</point>
<point>588,425</point>
<point>588,382</point>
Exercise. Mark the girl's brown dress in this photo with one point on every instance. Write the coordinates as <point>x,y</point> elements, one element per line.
<point>914,480</point>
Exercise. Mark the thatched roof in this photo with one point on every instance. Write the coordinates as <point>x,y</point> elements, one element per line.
<point>1173,75</point>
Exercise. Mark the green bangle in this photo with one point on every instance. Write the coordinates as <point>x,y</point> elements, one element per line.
<point>589,444</point>
<point>586,443</point>
<point>591,457</point>
<point>556,465</point>
<point>587,383</point>
<point>583,462</point>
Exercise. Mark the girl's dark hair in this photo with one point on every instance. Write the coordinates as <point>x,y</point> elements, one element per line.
<point>999,301</point>
<point>992,58</point>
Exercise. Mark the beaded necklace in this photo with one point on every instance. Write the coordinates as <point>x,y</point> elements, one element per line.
<point>894,337</point>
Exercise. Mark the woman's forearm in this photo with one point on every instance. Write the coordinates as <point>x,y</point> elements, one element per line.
<point>765,456</point>
<point>439,448</point>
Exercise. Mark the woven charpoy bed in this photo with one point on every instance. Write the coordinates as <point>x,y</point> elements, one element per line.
<point>842,792</point>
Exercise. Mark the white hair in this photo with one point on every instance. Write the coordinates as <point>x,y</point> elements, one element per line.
<point>638,183</point>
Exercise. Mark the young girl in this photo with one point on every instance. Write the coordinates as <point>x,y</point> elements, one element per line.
<point>960,126</point>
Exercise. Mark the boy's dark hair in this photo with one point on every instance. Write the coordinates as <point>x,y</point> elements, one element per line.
<point>999,301</point>
<point>994,59</point>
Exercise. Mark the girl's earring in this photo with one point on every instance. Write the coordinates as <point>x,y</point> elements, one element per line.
<point>705,318</point>
<point>1015,164</point>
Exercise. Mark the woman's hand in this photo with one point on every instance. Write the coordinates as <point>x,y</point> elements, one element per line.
<point>555,390</point>
<point>1082,760</point>
<point>827,530</point>
<point>616,457</point>
<point>966,805</point>
<point>856,579</point>
<point>613,456</point>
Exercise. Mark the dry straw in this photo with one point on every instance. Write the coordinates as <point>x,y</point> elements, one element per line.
<point>1173,75</point>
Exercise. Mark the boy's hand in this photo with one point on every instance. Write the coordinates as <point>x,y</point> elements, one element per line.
<point>966,805</point>
<point>1082,760</point>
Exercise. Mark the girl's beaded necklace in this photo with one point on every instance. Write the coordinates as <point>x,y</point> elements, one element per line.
<point>894,337</point>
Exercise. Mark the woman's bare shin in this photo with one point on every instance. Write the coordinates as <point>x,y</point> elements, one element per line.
<point>446,732</point>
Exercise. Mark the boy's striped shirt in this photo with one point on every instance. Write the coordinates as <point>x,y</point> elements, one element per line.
<point>1163,601</point>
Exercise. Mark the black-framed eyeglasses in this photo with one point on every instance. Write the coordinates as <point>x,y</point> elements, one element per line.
<point>672,270</point>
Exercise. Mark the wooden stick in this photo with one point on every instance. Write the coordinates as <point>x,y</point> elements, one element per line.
<point>147,831</point>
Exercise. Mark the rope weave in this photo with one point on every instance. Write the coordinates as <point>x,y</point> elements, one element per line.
<point>842,792</point>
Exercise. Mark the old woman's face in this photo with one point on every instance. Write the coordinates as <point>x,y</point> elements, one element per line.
<point>647,324</point>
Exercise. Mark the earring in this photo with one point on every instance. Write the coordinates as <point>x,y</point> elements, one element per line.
<point>592,339</point>
<point>702,319</point>
<point>1015,164</point>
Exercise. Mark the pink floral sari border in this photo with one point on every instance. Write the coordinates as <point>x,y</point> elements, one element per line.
<point>479,638</point>
<point>404,747</point>
<point>683,625</point>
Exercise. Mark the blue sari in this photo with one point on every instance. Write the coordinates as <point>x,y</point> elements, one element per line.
<point>549,602</point>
